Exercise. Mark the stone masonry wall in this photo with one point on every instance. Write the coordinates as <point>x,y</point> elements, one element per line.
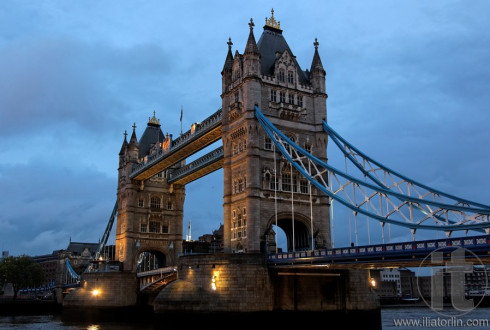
<point>218,283</point>
<point>118,289</point>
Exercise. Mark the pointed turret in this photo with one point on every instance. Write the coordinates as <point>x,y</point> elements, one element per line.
<point>317,73</point>
<point>251,56</point>
<point>133,141</point>
<point>227,68</point>
<point>251,47</point>
<point>133,147</point>
<point>124,146</point>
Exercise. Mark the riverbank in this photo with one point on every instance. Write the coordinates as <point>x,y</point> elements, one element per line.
<point>29,307</point>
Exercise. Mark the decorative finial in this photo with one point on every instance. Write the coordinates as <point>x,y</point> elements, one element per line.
<point>125,134</point>
<point>316,43</point>
<point>134,127</point>
<point>229,43</point>
<point>272,21</point>
<point>153,120</point>
<point>251,24</point>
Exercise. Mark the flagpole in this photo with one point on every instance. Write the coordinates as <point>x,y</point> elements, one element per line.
<point>181,113</point>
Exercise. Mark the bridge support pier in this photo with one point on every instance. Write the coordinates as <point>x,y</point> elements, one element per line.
<point>237,287</point>
<point>103,290</point>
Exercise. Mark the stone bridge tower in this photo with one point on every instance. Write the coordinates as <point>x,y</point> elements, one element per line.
<point>150,213</point>
<point>268,75</point>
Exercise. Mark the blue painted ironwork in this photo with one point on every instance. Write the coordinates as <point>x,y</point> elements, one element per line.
<point>351,151</point>
<point>383,252</point>
<point>447,217</point>
<point>73,274</point>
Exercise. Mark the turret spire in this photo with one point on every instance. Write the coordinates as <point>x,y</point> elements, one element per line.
<point>134,140</point>
<point>229,57</point>
<point>251,47</point>
<point>125,144</point>
<point>317,71</point>
<point>317,62</point>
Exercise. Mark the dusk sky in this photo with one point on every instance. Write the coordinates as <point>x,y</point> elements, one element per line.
<point>408,83</point>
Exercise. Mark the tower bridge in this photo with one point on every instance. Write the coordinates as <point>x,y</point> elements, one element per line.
<point>273,128</point>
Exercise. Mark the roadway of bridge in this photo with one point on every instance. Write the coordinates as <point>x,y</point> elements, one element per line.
<point>395,255</point>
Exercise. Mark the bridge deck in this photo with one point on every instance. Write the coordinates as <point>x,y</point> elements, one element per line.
<point>405,254</point>
<point>203,134</point>
<point>198,168</point>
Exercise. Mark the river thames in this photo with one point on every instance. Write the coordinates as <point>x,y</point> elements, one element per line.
<point>392,318</point>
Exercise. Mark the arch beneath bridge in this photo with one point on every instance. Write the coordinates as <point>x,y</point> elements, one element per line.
<point>302,231</point>
<point>147,260</point>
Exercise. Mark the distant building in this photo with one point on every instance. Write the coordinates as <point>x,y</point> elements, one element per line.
<point>394,283</point>
<point>5,254</point>
<point>207,243</point>
<point>478,281</point>
<point>49,264</point>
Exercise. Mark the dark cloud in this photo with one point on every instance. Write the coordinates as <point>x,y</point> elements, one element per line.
<point>43,201</point>
<point>407,82</point>
<point>51,82</point>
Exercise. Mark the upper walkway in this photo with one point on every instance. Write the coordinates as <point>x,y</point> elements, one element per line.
<point>198,137</point>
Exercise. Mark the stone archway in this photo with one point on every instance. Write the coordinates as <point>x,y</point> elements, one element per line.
<point>302,230</point>
<point>149,260</point>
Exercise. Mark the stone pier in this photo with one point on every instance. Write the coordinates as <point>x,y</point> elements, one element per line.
<point>240,288</point>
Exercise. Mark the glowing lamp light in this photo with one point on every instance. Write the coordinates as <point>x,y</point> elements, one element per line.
<point>95,292</point>
<point>213,283</point>
<point>373,282</point>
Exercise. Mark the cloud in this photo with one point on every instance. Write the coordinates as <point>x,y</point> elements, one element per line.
<point>54,200</point>
<point>51,82</point>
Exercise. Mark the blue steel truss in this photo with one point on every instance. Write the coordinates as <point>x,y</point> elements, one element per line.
<point>73,274</point>
<point>387,198</point>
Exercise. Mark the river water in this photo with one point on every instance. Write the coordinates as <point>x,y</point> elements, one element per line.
<point>392,318</point>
